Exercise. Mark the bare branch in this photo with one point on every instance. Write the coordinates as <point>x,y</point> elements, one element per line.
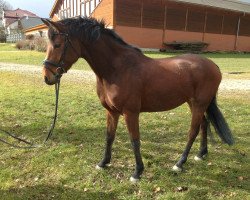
<point>4,5</point>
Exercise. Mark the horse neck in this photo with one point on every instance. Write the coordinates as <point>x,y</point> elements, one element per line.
<point>106,56</point>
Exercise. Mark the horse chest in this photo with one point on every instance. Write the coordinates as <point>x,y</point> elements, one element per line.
<point>111,98</point>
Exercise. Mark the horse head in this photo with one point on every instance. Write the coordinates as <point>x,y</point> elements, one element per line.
<point>62,52</point>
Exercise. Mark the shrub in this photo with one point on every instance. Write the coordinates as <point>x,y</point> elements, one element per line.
<point>2,35</point>
<point>23,45</point>
<point>187,46</point>
<point>2,38</point>
<point>30,37</point>
<point>38,44</point>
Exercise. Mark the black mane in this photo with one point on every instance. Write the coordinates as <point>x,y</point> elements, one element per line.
<point>91,29</point>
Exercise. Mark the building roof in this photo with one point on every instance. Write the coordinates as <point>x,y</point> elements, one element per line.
<point>233,5</point>
<point>36,28</point>
<point>30,22</point>
<point>18,13</point>
<point>12,15</point>
<point>54,7</point>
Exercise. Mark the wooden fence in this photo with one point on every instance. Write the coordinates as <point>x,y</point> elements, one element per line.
<point>15,37</point>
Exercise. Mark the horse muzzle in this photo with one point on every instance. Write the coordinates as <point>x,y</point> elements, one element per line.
<point>49,82</point>
<point>55,75</point>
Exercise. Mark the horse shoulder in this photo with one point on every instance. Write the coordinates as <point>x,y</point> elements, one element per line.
<point>110,94</point>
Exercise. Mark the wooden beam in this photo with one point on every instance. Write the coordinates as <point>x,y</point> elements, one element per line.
<point>80,4</point>
<point>164,25</point>
<point>222,24</point>
<point>186,20</point>
<point>90,7</point>
<point>141,12</point>
<point>70,8</point>
<point>114,14</point>
<point>237,35</point>
<point>204,28</point>
<point>84,8</point>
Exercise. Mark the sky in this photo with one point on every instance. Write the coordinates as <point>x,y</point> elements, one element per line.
<point>41,8</point>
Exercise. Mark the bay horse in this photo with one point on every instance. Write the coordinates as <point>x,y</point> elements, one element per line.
<point>128,82</point>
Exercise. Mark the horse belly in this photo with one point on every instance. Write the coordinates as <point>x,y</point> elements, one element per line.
<point>162,101</point>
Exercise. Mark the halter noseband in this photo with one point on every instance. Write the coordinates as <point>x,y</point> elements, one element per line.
<point>59,66</point>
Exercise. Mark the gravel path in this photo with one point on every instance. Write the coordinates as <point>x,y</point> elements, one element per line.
<point>77,75</point>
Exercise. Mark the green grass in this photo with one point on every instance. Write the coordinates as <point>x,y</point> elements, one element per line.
<point>7,47</point>
<point>228,62</point>
<point>64,168</point>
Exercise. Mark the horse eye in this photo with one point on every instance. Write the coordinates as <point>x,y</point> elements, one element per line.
<point>57,46</point>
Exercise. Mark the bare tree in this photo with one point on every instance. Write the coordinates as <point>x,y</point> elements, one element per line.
<point>4,5</point>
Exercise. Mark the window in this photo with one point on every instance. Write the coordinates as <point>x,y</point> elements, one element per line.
<point>153,15</point>
<point>214,23</point>
<point>244,26</point>
<point>195,21</point>
<point>128,13</point>
<point>176,19</point>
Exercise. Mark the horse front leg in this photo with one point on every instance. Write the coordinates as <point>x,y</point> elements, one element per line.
<point>112,121</point>
<point>132,122</point>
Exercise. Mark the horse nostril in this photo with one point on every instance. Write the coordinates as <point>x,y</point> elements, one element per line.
<point>46,79</point>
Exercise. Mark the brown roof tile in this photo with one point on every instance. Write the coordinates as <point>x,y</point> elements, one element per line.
<point>18,13</point>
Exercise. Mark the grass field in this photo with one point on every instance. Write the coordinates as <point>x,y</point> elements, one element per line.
<point>7,47</point>
<point>65,167</point>
<point>228,62</point>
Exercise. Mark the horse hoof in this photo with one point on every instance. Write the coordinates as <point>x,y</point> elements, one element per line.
<point>97,167</point>
<point>176,169</point>
<point>196,158</point>
<point>133,180</point>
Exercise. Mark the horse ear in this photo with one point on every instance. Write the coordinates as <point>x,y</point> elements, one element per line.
<point>55,25</point>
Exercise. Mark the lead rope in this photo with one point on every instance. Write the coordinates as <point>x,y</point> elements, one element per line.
<point>57,87</point>
<point>31,145</point>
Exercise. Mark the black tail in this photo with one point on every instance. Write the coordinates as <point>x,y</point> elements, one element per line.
<point>218,121</point>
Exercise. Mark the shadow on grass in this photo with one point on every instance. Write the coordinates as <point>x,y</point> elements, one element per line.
<point>158,147</point>
<point>54,192</point>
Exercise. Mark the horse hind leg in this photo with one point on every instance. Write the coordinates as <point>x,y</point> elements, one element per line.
<point>197,116</point>
<point>203,145</point>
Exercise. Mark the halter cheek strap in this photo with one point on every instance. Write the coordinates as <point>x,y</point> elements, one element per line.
<point>59,66</point>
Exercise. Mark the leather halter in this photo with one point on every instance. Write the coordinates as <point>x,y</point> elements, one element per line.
<point>59,65</point>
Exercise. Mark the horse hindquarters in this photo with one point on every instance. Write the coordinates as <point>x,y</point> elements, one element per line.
<point>217,119</point>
